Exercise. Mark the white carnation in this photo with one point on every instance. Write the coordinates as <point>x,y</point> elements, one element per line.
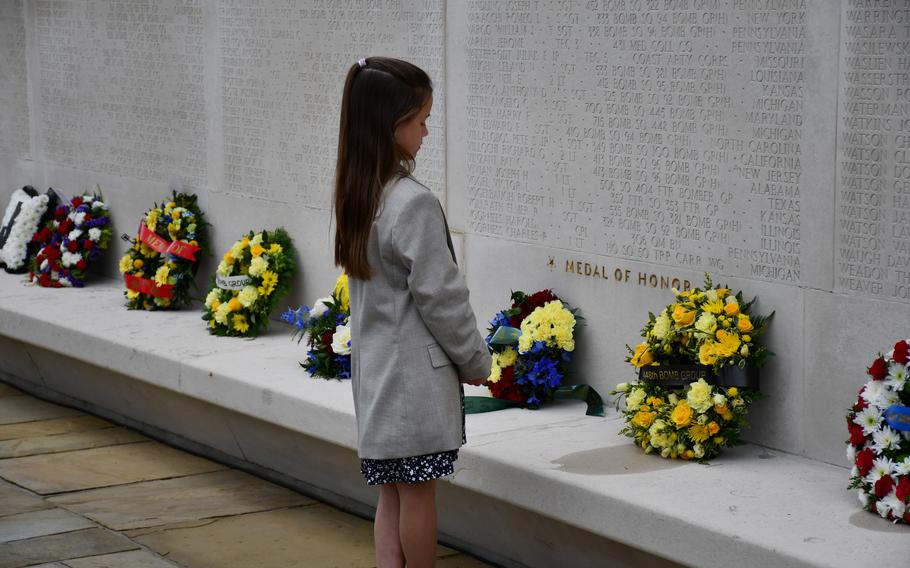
<point>94,234</point>
<point>75,234</point>
<point>863,498</point>
<point>79,218</point>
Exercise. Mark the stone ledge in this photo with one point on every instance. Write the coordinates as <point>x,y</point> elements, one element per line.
<point>753,506</point>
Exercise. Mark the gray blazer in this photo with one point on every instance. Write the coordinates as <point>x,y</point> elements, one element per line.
<point>413,332</point>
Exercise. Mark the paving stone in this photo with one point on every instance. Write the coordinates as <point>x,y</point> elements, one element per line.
<point>169,501</point>
<point>40,523</point>
<point>131,559</point>
<point>6,390</point>
<point>314,536</point>
<point>25,408</point>
<point>67,442</point>
<point>14,500</point>
<point>76,544</point>
<point>51,427</point>
<point>102,467</point>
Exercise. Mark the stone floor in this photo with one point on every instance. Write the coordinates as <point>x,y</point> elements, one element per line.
<point>79,492</point>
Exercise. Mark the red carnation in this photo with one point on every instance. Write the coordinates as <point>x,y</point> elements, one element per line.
<point>77,201</point>
<point>80,265</point>
<point>883,486</point>
<point>60,213</point>
<point>53,253</point>
<point>856,434</point>
<point>901,352</point>
<point>506,388</point>
<point>864,461</point>
<point>903,488</point>
<point>879,368</point>
<point>88,244</point>
<point>72,246</point>
<point>860,403</point>
<point>88,217</point>
<point>327,341</point>
<point>44,279</point>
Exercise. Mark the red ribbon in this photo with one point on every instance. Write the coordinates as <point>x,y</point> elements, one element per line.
<point>155,241</point>
<point>146,286</point>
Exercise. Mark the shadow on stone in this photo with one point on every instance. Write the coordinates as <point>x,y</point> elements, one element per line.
<point>613,460</point>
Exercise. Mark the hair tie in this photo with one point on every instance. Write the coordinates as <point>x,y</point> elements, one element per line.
<point>362,62</point>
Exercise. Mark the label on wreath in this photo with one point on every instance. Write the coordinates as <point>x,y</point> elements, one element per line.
<point>233,282</point>
<point>681,375</point>
<point>155,241</point>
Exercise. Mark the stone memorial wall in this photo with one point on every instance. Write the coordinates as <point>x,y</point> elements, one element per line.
<point>608,149</point>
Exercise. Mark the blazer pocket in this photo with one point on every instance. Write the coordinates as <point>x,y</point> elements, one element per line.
<point>438,357</point>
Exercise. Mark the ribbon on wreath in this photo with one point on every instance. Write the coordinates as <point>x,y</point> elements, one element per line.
<point>232,282</point>
<point>147,286</point>
<point>156,242</point>
<point>481,404</point>
<point>898,417</point>
<point>681,375</point>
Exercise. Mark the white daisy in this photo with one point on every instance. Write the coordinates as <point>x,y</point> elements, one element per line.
<point>885,439</point>
<point>869,418</point>
<point>891,503</point>
<point>881,467</point>
<point>897,377</point>
<point>902,468</point>
<point>874,393</point>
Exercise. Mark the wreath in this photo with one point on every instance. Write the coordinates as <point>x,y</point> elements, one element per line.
<point>532,343</point>
<point>161,265</point>
<point>26,211</point>
<point>697,374</point>
<point>249,281</point>
<point>879,445</point>
<point>326,331</point>
<point>70,242</point>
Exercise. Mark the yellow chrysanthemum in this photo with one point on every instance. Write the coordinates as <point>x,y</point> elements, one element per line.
<point>341,292</point>
<point>126,264</point>
<point>151,219</point>
<point>275,249</point>
<point>508,357</point>
<point>698,433</point>
<point>132,294</point>
<point>161,275</point>
<point>727,343</point>
<point>495,370</point>
<point>551,323</point>
<point>228,258</point>
<point>269,281</point>
<point>715,306</point>
<point>240,323</point>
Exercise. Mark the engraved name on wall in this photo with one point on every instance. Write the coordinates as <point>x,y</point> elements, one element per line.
<point>667,132</point>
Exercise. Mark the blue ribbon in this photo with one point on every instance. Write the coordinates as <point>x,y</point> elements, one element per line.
<point>505,335</point>
<point>898,417</point>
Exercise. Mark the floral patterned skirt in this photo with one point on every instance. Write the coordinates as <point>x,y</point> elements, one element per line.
<point>416,469</point>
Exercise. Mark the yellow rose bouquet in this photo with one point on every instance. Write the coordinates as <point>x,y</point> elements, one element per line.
<point>251,277</point>
<point>698,373</point>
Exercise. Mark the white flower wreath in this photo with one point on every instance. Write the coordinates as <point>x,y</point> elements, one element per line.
<point>21,227</point>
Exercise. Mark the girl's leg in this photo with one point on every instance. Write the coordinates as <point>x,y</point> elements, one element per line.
<point>385,529</point>
<point>417,525</point>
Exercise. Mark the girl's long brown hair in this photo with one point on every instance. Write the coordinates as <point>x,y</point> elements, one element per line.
<point>377,98</point>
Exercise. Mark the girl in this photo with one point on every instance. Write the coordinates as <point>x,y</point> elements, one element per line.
<point>414,336</point>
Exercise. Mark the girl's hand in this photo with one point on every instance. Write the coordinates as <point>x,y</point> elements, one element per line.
<point>475,382</point>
